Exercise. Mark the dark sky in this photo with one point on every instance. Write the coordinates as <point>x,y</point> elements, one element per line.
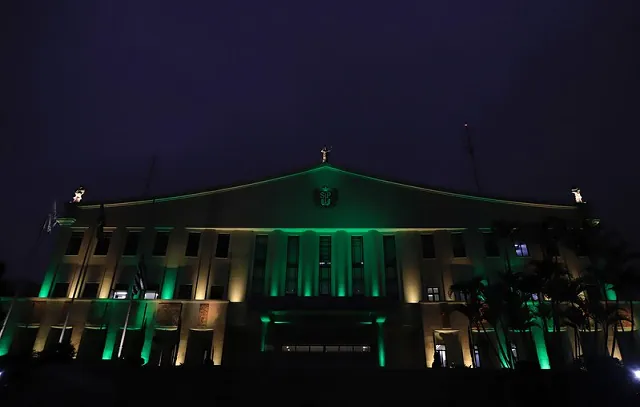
<point>227,91</point>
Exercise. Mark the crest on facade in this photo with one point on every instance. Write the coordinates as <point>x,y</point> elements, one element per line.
<point>326,197</point>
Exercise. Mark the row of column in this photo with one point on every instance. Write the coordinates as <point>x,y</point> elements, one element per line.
<point>308,264</point>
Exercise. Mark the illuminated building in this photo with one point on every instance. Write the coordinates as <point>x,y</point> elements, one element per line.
<point>323,266</point>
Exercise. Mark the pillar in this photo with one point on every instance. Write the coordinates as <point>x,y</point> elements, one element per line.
<point>309,263</point>
<point>240,253</point>
<point>276,262</point>
<point>339,258</point>
<point>541,347</point>
<point>408,247</point>
<point>381,350</point>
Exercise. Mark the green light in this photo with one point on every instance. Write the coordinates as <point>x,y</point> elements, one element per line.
<point>265,319</point>
<point>45,289</point>
<point>381,320</point>
<point>610,292</point>
<point>110,343</point>
<point>148,338</point>
<point>263,339</point>
<point>381,354</point>
<point>541,348</point>
<point>169,285</point>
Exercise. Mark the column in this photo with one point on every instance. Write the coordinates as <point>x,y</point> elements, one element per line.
<point>184,333</point>
<point>264,330</point>
<point>381,351</point>
<point>240,253</point>
<point>276,262</point>
<point>372,264</point>
<point>541,346</point>
<point>172,265</point>
<point>308,263</point>
<point>461,324</point>
<point>339,258</point>
<point>408,247</point>
<point>219,325</point>
<point>149,332</point>
<point>58,254</point>
<point>430,322</point>
<point>112,260</point>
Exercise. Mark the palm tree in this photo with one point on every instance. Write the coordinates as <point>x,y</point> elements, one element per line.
<point>471,291</point>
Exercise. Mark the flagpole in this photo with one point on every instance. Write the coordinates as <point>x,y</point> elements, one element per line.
<point>137,276</point>
<point>126,324</point>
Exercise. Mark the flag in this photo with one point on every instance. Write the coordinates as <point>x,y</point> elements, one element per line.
<point>139,285</point>
<point>52,219</point>
<point>101,222</point>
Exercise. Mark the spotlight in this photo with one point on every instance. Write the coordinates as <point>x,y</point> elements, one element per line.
<point>636,374</point>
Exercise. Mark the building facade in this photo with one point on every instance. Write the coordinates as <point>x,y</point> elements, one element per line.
<point>320,267</point>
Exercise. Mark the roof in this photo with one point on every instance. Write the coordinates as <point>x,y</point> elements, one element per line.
<point>324,166</point>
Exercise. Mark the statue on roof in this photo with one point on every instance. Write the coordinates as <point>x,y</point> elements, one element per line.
<point>325,154</point>
<point>577,195</point>
<point>77,196</point>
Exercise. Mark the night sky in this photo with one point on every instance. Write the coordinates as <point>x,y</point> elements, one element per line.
<point>230,91</point>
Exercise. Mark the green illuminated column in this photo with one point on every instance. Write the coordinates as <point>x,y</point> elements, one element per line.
<point>60,248</point>
<point>380,328</point>
<point>308,261</point>
<point>113,327</point>
<point>276,259</point>
<point>169,284</point>
<point>610,292</point>
<point>371,264</point>
<point>541,346</point>
<point>340,258</point>
<point>264,331</point>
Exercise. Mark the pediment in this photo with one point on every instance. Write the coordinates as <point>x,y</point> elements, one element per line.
<point>329,197</point>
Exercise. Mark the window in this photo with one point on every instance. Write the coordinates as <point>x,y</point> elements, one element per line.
<point>60,290</point>
<point>491,247</point>
<point>293,254</point>
<point>75,241</point>
<point>441,351</point>
<point>521,249</point>
<point>433,294</point>
<point>390,266</point>
<point>90,290</point>
<point>461,296</point>
<point>193,245</point>
<point>131,244</point>
<point>222,247</point>
<point>476,355</point>
<point>428,247</point>
<point>102,245</point>
<point>216,292</point>
<point>161,244</point>
<point>259,265</point>
<point>324,286</point>
<point>151,295</point>
<point>457,244</point>
<point>514,352</point>
<point>357,265</point>
<point>185,292</point>
<point>120,292</point>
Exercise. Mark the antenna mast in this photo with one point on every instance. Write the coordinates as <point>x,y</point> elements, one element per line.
<point>472,155</point>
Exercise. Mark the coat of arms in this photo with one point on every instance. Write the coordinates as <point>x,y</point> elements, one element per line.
<point>326,197</point>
